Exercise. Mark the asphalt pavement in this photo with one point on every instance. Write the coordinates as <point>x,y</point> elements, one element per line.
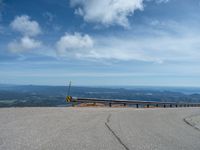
<point>98,129</point>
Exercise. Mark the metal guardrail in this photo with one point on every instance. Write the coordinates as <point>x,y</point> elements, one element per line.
<point>136,103</point>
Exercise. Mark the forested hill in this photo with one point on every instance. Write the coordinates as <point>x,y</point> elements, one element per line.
<point>31,95</point>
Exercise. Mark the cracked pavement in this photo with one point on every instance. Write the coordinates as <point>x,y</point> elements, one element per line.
<point>97,128</point>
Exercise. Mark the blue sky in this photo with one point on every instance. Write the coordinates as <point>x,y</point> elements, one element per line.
<point>107,42</point>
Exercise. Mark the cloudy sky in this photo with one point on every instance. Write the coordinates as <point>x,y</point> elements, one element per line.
<point>100,42</point>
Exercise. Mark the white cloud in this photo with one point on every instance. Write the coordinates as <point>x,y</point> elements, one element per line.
<point>73,43</point>
<point>24,44</point>
<point>158,1</point>
<point>107,12</point>
<point>112,49</point>
<point>49,16</point>
<point>162,1</point>
<point>29,29</point>
<point>82,47</point>
<point>25,26</point>
<point>154,45</point>
<point>153,48</point>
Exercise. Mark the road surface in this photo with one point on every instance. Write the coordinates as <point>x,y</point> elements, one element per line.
<point>98,129</point>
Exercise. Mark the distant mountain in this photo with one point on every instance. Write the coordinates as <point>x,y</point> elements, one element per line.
<point>32,95</point>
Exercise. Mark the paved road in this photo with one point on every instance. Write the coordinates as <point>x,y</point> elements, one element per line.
<point>97,129</point>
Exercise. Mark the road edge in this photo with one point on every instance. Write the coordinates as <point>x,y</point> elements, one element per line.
<point>188,121</point>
